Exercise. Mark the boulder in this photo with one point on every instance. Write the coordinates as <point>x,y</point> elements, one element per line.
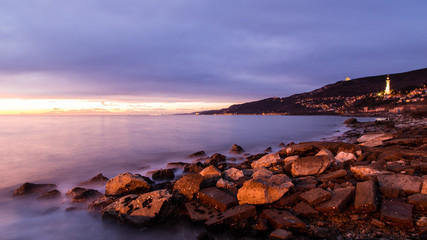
<point>216,198</point>
<point>233,174</point>
<point>210,171</point>
<point>340,198</point>
<point>233,215</point>
<point>263,191</point>
<point>268,150</point>
<point>367,172</point>
<point>267,161</point>
<point>397,213</point>
<point>326,152</point>
<point>313,165</point>
<point>351,121</point>
<point>282,219</point>
<point>177,164</point>
<point>86,195</point>
<point>197,154</point>
<point>163,174</point>
<point>194,168</point>
<point>236,149</point>
<point>198,212</point>
<point>344,157</point>
<point>98,180</point>
<point>281,234</point>
<point>419,201</point>
<point>408,184</point>
<point>188,185</point>
<point>126,183</point>
<point>365,200</point>
<point>216,159</point>
<point>149,207</point>
<point>28,189</point>
<point>262,173</point>
<point>315,196</point>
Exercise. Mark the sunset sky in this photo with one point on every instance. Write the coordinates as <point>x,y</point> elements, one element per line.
<point>161,57</point>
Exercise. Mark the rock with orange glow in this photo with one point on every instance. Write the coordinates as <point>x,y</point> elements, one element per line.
<point>126,183</point>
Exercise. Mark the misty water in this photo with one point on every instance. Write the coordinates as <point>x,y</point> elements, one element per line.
<point>66,150</point>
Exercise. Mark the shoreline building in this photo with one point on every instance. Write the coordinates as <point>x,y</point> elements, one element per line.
<point>387,90</point>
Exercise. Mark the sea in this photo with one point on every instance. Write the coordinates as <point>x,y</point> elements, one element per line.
<point>67,150</point>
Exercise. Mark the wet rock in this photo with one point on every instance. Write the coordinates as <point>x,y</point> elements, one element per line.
<point>233,215</point>
<point>419,201</point>
<point>188,185</point>
<point>268,150</point>
<point>236,149</point>
<point>86,195</point>
<point>194,168</point>
<point>98,180</point>
<point>344,157</point>
<point>287,201</point>
<point>216,159</point>
<point>407,183</point>
<point>100,203</point>
<point>210,171</point>
<point>282,219</point>
<point>255,157</point>
<point>281,234</point>
<point>305,183</point>
<point>126,183</point>
<point>315,196</point>
<point>53,194</point>
<point>372,143</point>
<point>197,154</point>
<point>216,198</point>
<point>333,175</point>
<point>351,121</point>
<point>75,191</point>
<point>267,161</point>
<point>367,172</point>
<point>262,173</point>
<point>163,174</point>
<point>397,213</point>
<point>365,197</point>
<point>27,189</point>
<point>305,210</point>
<point>326,152</point>
<point>263,191</point>
<point>198,212</point>
<point>233,174</point>
<point>306,166</point>
<point>340,198</point>
<point>390,193</point>
<point>390,155</point>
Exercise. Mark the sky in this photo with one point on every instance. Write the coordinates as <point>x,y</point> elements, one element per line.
<point>171,56</point>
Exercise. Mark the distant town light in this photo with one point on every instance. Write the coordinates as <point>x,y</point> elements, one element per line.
<point>347,79</point>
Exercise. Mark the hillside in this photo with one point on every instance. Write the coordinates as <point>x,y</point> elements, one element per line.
<point>333,98</point>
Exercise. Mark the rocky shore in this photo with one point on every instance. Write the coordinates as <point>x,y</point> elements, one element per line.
<point>371,182</point>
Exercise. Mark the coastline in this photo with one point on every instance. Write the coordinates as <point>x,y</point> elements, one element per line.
<point>202,188</point>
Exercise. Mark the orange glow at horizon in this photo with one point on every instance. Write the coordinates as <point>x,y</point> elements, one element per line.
<point>12,106</point>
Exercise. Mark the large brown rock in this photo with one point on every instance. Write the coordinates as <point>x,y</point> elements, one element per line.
<point>315,196</point>
<point>126,183</point>
<point>27,189</point>
<point>199,212</point>
<point>365,200</point>
<point>340,198</point>
<point>404,182</point>
<point>100,203</point>
<point>419,201</point>
<point>306,166</point>
<point>236,149</point>
<point>233,174</point>
<point>210,171</point>
<point>312,148</point>
<point>216,198</point>
<point>188,185</point>
<point>267,161</point>
<point>79,194</point>
<point>333,175</point>
<point>233,215</point>
<point>282,219</point>
<point>143,209</point>
<point>263,191</point>
<point>163,174</point>
<point>305,210</point>
<point>397,213</point>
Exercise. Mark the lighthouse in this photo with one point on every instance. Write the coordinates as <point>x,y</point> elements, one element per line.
<point>387,90</point>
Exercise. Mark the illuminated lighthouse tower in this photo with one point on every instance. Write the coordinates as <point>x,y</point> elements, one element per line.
<point>387,90</point>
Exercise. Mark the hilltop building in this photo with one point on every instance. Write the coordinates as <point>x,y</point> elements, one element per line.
<point>347,79</point>
<point>387,90</point>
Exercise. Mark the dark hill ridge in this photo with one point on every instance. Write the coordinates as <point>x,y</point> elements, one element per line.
<point>344,89</point>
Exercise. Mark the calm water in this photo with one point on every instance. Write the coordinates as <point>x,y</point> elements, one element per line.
<point>66,150</point>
